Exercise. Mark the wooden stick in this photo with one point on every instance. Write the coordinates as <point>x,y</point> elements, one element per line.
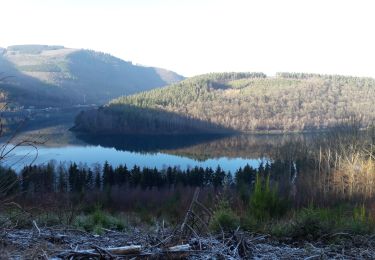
<point>178,248</point>
<point>36,226</point>
<point>123,250</point>
<point>187,216</point>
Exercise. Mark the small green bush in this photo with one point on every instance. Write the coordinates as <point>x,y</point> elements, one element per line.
<point>280,229</point>
<point>265,202</point>
<point>359,214</point>
<point>250,223</point>
<point>224,218</point>
<point>360,223</point>
<point>314,223</point>
<point>97,220</point>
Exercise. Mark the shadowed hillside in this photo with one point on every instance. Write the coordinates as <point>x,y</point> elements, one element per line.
<point>129,119</point>
<point>75,76</point>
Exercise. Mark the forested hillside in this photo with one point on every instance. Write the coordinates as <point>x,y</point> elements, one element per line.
<point>240,102</point>
<point>54,75</point>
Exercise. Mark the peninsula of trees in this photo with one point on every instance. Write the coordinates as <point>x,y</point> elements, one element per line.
<point>238,102</point>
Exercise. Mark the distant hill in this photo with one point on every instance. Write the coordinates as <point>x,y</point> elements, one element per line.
<point>55,75</point>
<point>239,102</point>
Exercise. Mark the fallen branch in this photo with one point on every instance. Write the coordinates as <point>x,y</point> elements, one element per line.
<point>185,247</point>
<point>36,227</point>
<point>123,250</point>
<point>130,251</point>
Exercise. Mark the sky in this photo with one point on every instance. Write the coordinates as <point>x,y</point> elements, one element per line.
<point>199,36</point>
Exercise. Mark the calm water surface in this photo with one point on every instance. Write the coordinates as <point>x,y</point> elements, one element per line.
<point>98,154</point>
<point>230,152</point>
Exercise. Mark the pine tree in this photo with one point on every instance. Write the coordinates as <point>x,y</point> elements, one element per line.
<point>61,182</point>
<point>89,180</point>
<point>97,173</point>
<point>73,178</point>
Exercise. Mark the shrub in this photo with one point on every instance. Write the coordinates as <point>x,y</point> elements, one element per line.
<point>310,223</point>
<point>97,220</point>
<point>265,202</point>
<point>359,214</point>
<point>314,223</point>
<point>250,223</point>
<point>224,218</point>
<point>360,223</point>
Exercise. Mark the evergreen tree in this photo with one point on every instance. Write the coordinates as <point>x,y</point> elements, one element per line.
<point>62,185</point>
<point>98,178</point>
<point>73,177</point>
<point>108,175</point>
<point>89,180</point>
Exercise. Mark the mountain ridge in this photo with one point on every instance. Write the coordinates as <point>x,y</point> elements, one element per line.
<point>82,76</point>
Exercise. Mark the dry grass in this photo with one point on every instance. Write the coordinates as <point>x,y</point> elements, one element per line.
<point>347,172</point>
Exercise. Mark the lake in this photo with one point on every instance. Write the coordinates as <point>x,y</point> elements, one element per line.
<point>230,152</point>
<point>59,144</point>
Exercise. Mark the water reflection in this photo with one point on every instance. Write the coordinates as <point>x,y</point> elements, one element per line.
<point>230,152</point>
<point>149,143</point>
<point>198,147</point>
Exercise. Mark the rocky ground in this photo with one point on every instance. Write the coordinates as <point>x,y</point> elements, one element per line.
<point>62,243</point>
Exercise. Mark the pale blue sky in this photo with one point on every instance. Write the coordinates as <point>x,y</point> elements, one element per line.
<point>199,36</point>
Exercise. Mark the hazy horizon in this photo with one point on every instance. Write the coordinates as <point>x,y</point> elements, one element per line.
<point>197,37</point>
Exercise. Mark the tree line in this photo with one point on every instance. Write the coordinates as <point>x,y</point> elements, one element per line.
<point>74,178</point>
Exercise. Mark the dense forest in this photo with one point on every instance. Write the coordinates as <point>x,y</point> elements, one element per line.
<point>79,178</point>
<point>239,102</point>
<point>45,76</point>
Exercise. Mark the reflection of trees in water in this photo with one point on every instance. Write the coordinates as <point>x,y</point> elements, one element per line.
<point>200,147</point>
<point>243,146</point>
<point>149,143</point>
